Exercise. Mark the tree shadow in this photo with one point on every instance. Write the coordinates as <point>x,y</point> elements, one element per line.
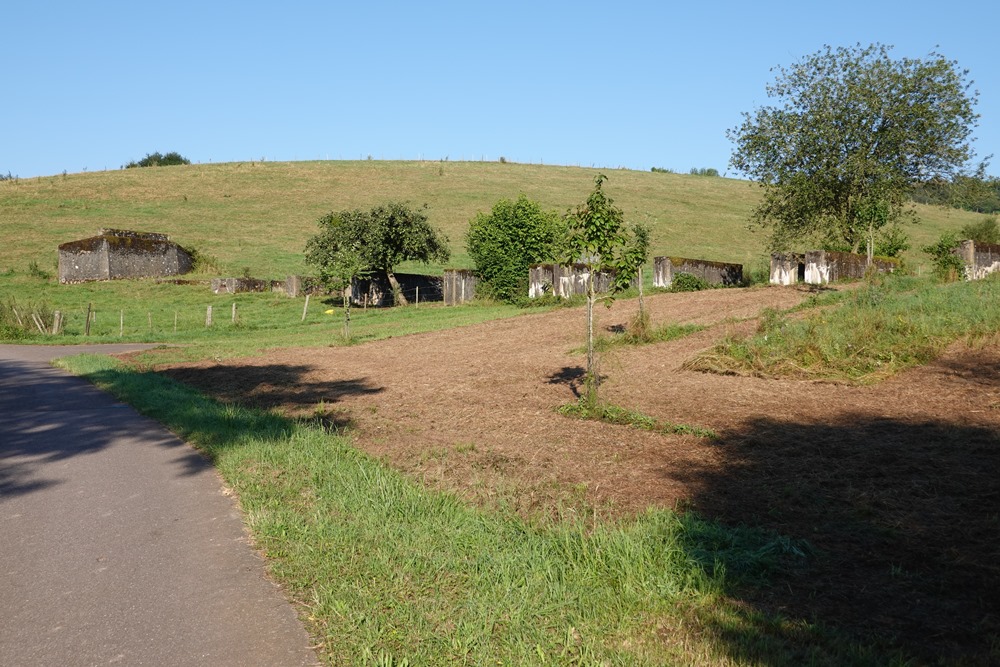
<point>48,417</point>
<point>903,519</point>
<point>51,416</point>
<point>271,385</point>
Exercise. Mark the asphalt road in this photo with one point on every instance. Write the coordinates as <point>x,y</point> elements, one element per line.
<point>118,545</point>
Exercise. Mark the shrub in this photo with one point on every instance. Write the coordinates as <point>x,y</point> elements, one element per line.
<point>947,265</point>
<point>158,160</point>
<point>507,241</point>
<point>661,170</point>
<point>695,171</point>
<point>686,282</point>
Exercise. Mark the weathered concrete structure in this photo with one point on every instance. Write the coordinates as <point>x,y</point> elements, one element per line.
<point>237,285</point>
<point>788,268</point>
<point>116,253</point>
<point>981,259</point>
<point>376,290</point>
<point>564,281</point>
<point>819,267</point>
<point>714,273</point>
<point>459,286</point>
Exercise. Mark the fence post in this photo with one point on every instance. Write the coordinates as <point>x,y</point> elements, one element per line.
<point>121,323</point>
<point>149,319</point>
<point>417,301</point>
<point>305,308</point>
<point>86,328</point>
<point>208,317</point>
<point>175,321</point>
<point>234,312</point>
<point>56,322</point>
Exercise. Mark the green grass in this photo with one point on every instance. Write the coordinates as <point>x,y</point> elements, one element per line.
<point>258,215</point>
<point>387,572</point>
<point>863,335</point>
<point>613,414</point>
<point>264,321</point>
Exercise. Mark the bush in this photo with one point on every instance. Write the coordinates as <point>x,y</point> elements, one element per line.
<point>661,170</point>
<point>984,231</point>
<point>158,160</point>
<point>507,241</point>
<point>686,282</point>
<point>695,171</point>
<point>947,265</point>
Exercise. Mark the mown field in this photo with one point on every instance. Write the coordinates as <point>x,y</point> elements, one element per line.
<point>854,548</point>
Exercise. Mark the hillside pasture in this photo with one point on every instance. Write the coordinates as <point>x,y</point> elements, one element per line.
<point>257,216</point>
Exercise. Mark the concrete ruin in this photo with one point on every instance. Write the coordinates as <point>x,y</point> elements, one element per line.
<point>564,281</point>
<point>459,286</point>
<point>820,267</point>
<point>981,259</point>
<point>116,254</point>
<point>714,273</point>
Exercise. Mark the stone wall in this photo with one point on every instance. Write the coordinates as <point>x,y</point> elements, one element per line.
<point>824,266</point>
<point>115,254</point>
<point>564,281</point>
<point>714,273</point>
<point>819,267</point>
<point>981,259</point>
<point>459,286</point>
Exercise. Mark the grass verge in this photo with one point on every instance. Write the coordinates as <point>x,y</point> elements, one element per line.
<point>865,335</point>
<point>613,414</point>
<point>388,572</point>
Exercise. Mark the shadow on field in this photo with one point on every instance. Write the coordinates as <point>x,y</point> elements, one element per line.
<point>903,520</point>
<point>270,385</point>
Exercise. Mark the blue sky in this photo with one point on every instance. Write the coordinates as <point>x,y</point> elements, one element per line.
<point>91,86</point>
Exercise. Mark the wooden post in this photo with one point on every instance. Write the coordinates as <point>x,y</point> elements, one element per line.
<point>86,328</point>
<point>234,312</point>
<point>20,322</point>
<point>305,308</point>
<point>417,300</point>
<point>175,321</point>
<point>121,323</point>
<point>38,322</point>
<point>149,319</point>
<point>208,317</point>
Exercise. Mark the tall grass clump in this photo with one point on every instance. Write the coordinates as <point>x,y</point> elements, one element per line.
<point>388,570</point>
<point>888,325</point>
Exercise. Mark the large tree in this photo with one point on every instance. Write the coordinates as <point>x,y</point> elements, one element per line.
<point>852,132</point>
<point>356,241</point>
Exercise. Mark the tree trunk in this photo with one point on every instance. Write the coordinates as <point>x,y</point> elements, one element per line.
<point>593,376</point>
<point>397,292</point>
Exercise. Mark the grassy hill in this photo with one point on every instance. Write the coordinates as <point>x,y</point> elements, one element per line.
<point>258,215</point>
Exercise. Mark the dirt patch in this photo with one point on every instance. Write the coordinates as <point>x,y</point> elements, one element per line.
<point>894,487</point>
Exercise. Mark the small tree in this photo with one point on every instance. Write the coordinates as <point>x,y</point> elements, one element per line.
<point>338,257</point>
<point>597,237</point>
<point>507,241</point>
<point>376,241</point>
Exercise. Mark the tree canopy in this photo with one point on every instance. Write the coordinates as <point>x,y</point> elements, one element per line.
<point>158,160</point>
<point>354,242</point>
<point>853,131</point>
<point>505,242</point>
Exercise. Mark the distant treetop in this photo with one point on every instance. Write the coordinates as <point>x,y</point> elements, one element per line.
<point>158,160</point>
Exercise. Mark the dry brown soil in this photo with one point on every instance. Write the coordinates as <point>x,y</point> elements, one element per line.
<point>894,487</point>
